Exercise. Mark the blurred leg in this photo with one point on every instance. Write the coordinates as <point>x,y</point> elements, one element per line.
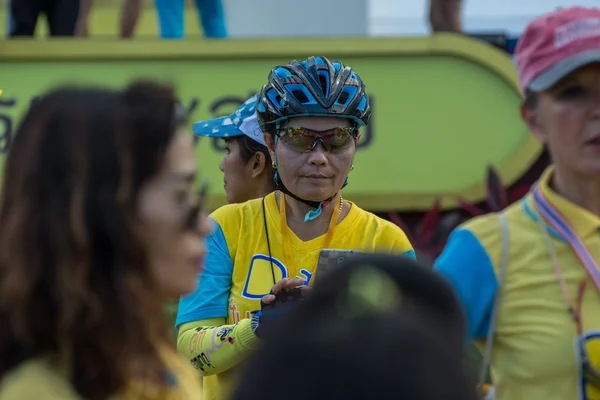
<point>445,15</point>
<point>9,20</point>
<point>130,16</point>
<point>212,18</point>
<point>81,28</point>
<point>62,16</point>
<point>170,18</point>
<point>24,15</point>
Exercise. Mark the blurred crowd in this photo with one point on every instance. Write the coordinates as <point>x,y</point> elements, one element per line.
<point>70,17</point>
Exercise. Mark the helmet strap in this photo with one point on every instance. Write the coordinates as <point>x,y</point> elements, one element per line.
<point>317,205</point>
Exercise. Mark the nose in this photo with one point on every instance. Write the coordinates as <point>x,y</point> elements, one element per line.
<point>222,165</point>
<point>318,155</point>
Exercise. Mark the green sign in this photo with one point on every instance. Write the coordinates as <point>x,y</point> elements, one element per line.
<point>445,107</point>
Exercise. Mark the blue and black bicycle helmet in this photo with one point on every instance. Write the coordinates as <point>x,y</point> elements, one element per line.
<point>313,87</point>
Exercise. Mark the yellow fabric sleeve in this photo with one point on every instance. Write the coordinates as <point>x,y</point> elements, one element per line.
<point>213,347</point>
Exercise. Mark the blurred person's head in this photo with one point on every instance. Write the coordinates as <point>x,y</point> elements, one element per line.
<point>247,165</point>
<point>99,224</point>
<point>381,327</point>
<point>558,61</point>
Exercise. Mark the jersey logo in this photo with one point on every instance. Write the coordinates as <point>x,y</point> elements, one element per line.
<point>591,341</point>
<point>259,280</point>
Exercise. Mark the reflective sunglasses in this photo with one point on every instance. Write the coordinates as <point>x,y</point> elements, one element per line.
<point>304,140</point>
<point>191,218</point>
<point>590,372</point>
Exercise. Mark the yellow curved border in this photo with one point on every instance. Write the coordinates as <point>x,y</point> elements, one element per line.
<point>440,44</point>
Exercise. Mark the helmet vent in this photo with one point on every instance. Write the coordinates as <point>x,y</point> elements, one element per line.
<point>324,84</point>
<point>300,96</point>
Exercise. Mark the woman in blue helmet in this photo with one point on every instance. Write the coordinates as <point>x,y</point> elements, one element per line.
<point>262,249</point>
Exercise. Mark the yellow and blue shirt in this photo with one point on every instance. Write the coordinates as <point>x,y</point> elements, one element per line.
<point>42,378</point>
<point>535,354</point>
<point>238,273</point>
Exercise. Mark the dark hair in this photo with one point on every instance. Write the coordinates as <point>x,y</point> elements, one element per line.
<point>249,147</point>
<point>74,281</point>
<point>430,296</point>
<point>412,351</point>
<point>530,100</point>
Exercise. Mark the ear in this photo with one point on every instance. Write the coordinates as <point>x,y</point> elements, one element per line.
<point>258,164</point>
<point>270,144</point>
<point>531,118</point>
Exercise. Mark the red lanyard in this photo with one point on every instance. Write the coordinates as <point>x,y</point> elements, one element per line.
<point>285,234</point>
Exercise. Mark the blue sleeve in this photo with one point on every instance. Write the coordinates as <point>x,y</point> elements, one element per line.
<point>214,283</point>
<point>466,264</point>
<point>410,254</point>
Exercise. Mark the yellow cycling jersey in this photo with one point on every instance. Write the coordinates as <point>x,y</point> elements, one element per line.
<point>240,269</point>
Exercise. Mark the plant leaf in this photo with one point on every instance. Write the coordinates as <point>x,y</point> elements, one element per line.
<point>443,229</point>
<point>517,193</point>
<point>497,197</point>
<point>469,207</point>
<point>398,221</point>
<point>429,222</point>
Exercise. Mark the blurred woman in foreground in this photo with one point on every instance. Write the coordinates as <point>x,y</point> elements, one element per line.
<point>99,225</point>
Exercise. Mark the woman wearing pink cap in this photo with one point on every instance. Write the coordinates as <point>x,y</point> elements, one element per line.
<point>529,277</point>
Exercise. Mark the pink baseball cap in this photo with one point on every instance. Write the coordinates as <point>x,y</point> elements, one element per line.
<point>556,44</point>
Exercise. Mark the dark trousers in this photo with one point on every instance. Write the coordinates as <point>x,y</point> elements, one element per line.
<point>61,15</point>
